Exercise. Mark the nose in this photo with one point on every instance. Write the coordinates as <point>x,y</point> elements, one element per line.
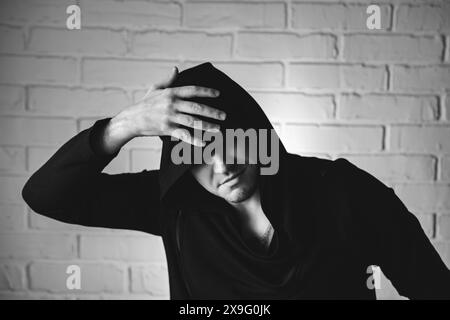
<point>219,165</point>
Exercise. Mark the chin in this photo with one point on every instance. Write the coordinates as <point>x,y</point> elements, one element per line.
<point>239,194</point>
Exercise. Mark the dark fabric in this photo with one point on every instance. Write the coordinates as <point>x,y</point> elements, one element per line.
<point>331,219</point>
<point>242,112</point>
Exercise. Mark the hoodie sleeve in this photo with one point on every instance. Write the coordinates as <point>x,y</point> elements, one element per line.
<point>70,187</point>
<point>395,239</point>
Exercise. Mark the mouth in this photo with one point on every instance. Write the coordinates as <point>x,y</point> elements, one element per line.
<point>233,176</point>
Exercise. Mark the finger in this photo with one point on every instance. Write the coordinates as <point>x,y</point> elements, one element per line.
<point>168,81</point>
<point>199,109</point>
<point>184,135</point>
<point>193,122</point>
<point>194,91</point>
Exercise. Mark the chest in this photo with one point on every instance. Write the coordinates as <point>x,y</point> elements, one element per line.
<point>256,231</point>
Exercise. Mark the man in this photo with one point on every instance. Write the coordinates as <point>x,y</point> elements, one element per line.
<point>309,231</point>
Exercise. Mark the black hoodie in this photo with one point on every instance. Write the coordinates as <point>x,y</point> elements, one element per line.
<point>332,220</point>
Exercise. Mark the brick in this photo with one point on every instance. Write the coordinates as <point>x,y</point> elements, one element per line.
<point>286,45</point>
<point>145,160</point>
<point>424,197</point>
<point>234,14</point>
<point>447,53</point>
<point>30,296</point>
<point>443,248</point>
<point>277,127</point>
<point>403,48</point>
<point>388,108</point>
<point>11,39</point>
<point>45,224</point>
<point>154,143</point>
<point>254,75</point>
<point>98,41</point>
<point>11,277</point>
<point>136,248</point>
<point>123,296</point>
<point>86,123</point>
<point>12,99</point>
<point>95,278</point>
<point>12,159</point>
<point>119,164</point>
<point>443,226</point>
<point>333,76</point>
<point>12,217</point>
<point>446,106</point>
<point>38,131</point>
<point>124,72</point>
<point>420,138</point>
<point>421,78</point>
<point>387,291</point>
<point>335,16</point>
<point>37,156</point>
<point>41,246</point>
<point>10,189</point>
<point>138,94</point>
<point>130,13</point>
<point>315,138</point>
<point>445,168</point>
<point>318,155</point>
<point>182,45</point>
<point>25,69</point>
<point>134,296</point>
<point>248,75</point>
<point>76,101</point>
<point>396,167</point>
<point>296,107</point>
<point>151,278</point>
<point>40,222</point>
<point>427,223</point>
<point>423,17</point>
<point>34,12</point>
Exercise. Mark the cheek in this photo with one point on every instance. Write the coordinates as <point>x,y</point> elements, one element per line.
<point>237,153</point>
<point>204,176</point>
<point>251,175</point>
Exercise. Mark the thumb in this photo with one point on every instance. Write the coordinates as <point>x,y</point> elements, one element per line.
<point>168,81</point>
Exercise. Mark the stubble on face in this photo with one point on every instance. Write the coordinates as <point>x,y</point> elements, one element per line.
<point>235,190</point>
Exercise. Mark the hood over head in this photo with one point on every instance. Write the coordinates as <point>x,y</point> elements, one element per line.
<point>241,109</point>
<point>287,199</point>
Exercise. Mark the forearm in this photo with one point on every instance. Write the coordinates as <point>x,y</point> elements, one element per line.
<point>70,173</point>
<point>114,135</point>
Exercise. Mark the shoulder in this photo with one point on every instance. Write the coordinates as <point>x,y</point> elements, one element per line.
<point>339,172</point>
<point>308,165</point>
<point>320,167</point>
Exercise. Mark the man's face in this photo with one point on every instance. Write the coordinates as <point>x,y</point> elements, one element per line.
<point>233,182</point>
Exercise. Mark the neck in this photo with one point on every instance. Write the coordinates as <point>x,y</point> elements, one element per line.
<point>250,213</point>
<point>250,206</point>
<point>253,222</point>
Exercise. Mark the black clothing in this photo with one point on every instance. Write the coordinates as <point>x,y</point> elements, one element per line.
<point>331,219</point>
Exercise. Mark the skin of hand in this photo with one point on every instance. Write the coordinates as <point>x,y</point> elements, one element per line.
<point>161,112</point>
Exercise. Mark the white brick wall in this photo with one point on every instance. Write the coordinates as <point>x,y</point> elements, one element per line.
<point>333,88</point>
